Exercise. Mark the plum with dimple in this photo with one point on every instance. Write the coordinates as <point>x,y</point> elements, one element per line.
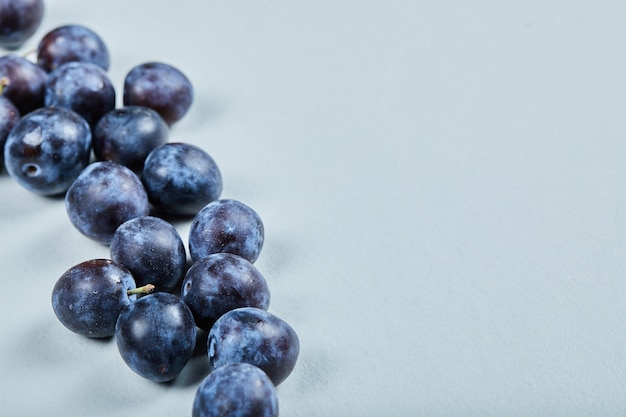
<point>255,336</point>
<point>236,390</point>
<point>104,196</point>
<point>47,149</point>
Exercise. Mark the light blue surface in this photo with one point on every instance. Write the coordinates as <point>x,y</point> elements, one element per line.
<point>443,186</point>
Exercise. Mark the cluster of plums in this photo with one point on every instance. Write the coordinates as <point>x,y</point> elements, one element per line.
<point>121,177</point>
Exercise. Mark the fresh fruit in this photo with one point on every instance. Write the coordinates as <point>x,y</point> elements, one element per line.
<point>257,337</point>
<point>70,43</point>
<point>9,115</point>
<point>161,87</point>
<point>128,134</point>
<point>104,196</point>
<point>88,297</point>
<point>236,390</point>
<point>82,87</point>
<point>47,149</point>
<point>156,336</point>
<point>152,250</point>
<point>181,178</point>
<point>19,20</point>
<point>226,226</point>
<point>222,282</point>
<point>26,83</point>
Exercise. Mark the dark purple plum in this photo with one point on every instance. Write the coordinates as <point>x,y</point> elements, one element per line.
<point>226,226</point>
<point>88,297</point>
<point>156,336</point>
<point>47,149</point>
<point>181,178</point>
<point>19,20</point>
<point>128,134</point>
<point>104,196</point>
<point>236,390</point>
<point>9,115</point>
<point>71,43</point>
<point>152,250</point>
<point>255,336</point>
<point>26,84</point>
<point>222,282</point>
<point>82,87</point>
<point>161,87</point>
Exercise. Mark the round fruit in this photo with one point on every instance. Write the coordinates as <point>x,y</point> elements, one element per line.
<point>82,87</point>
<point>128,134</point>
<point>104,196</point>
<point>236,390</point>
<point>257,337</point>
<point>19,20</point>
<point>152,250</point>
<point>70,43</point>
<point>88,297</point>
<point>161,87</point>
<point>181,178</point>
<point>47,149</point>
<point>222,282</point>
<point>156,336</point>
<point>226,226</point>
<point>26,83</point>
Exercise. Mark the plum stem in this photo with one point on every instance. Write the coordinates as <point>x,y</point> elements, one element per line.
<point>146,289</point>
<point>4,81</point>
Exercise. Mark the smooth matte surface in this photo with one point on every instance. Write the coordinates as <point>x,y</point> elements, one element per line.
<point>443,186</point>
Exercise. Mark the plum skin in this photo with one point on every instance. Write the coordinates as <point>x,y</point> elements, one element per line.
<point>88,298</point>
<point>236,390</point>
<point>255,336</point>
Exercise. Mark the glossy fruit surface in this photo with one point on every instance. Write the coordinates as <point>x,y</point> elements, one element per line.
<point>236,390</point>
<point>19,20</point>
<point>152,250</point>
<point>226,226</point>
<point>161,87</point>
<point>82,87</point>
<point>156,336</point>
<point>47,149</point>
<point>26,83</point>
<point>88,297</point>
<point>9,115</point>
<point>128,134</point>
<point>222,282</point>
<point>257,337</point>
<point>181,178</point>
<point>104,196</point>
<point>70,43</point>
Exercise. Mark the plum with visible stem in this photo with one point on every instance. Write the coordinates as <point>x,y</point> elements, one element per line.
<point>88,297</point>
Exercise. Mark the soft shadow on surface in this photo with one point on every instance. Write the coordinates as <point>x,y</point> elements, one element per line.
<point>198,366</point>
